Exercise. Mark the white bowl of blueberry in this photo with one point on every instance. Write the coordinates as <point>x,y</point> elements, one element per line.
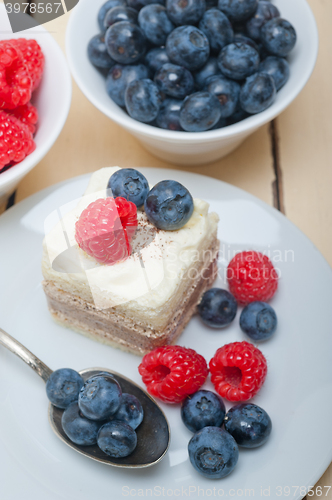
<point>191,80</point>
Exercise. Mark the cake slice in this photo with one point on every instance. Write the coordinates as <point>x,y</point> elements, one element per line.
<point>143,301</point>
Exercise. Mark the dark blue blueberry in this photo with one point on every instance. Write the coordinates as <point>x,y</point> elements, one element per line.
<point>238,60</point>
<point>185,11</point>
<point>156,58</point>
<point>258,93</point>
<point>200,111</point>
<point>227,91</point>
<point>211,4</point>
<point>258,320</point>
<point>130,411</point>
<point>174,81</point>
<point>217,308</point>
<point>202,409</point>
<point>97,53</point>
<point>278,37</point>
<point>249,425</point>
<point>120,13</point>
<point>143,100</point>
<point>238,10</point>
<point>155,23</point>
<point>105,8</point>
<point>188,46</point>
<point>169,205</point>
<point>265,11</point>
<point>211,68</point>
<point>220,124</point>
<point>100,397</point>
<point>241,38</point>
<point>79,429</point>
<point>169,115</point>
<point>129,184</point>
<point>125,42</point>
<point>139,4</point>
<point>237,116</point>
<point>217,28</point>
<point>63,387</point>
<point>278,68</point>
<point>119,78</point>
<point>117,439</point>
<point>213,452</point>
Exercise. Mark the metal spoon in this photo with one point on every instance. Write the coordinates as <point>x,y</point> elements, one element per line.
<point>153,435</point>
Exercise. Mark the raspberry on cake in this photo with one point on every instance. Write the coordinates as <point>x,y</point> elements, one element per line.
<point>145,299</point>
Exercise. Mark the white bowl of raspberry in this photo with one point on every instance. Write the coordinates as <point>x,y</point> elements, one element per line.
<point>187,147</point>
<point>51,98</point>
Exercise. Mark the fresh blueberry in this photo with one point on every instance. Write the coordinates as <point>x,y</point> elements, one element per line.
<point>97,53</point>
<point>241,38</point>
<point>249,425</point>
<point>129,184</point>
<point>125,42</point>
<point>63,387</point>
<point>143,100</point>
<point>238,10</point>
<point>174,81</point>
<point>227,92</point>
<point>200,111</point>
<point>105,8</point>
<point>119,78</point>
<point>278,68</point>
<point>217,28</point>
<point>237,116</point>
<point>185,12</point>
<point>79,429</point>
<point>211,4</point>
<point>100,397</point>
<point>278,37</point>
<point>188,46</point>
<point>213,452</point>
<point>169,205</point>
<point>117,439</point>
<point>258,320</point>
<point>120,13</point>
<point>155,23</point>
<point>130,411</point>
<point>220,124</point>
<point>139,4</point>
<point>211,68</point>
<point>265,11</point>
<point>258,93</point>
<point>238,60</point>
<point>169,114</point>
<point>202,409</point>
<point>217,308</point>
<point>156,58</point>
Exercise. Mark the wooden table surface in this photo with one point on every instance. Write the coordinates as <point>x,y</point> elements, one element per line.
<point>287,163</point>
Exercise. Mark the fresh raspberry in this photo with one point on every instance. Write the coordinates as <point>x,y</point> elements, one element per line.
<point>27,114</point>
<point>173,372</point>
<point>238,371</point>
<point>33,58</point>
<point>15,81</point>
<point>16,140</point>
<point>105,229</point>
<point>251,277</point>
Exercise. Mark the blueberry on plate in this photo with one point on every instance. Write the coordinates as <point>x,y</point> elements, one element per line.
<point>227,92</point>
<point>278,68</point>
<point>120,13</point>
<point>100,397</point>
<point>125,42</point>
<point>202,409</point>
<point>119,78</point>
<point>238,10</point>
<point>265,11</point>
<point>169,205</point>
<point>156,58</point>
<point>258,93</point>
<point>117,439</point>
<point>78,428</point>
<point>139,4</point>
<point>185,12</point>
<point>188,46</point>
<point>169,115</point>
<point>217,28</point>
<point>97,53</point>
<point>258,320</point>
<point>249,425</point>
<point>129,184</point>
<point>63,387</point>
<point>213,452</point>
<point>217,308</point>
<point>130,411</point>
<point>105,8</point>
<point>211,68</point>
<point>155,23</point>
<point>143,100</point>
<point>238,115</point>
<point>200,111</point>
<point>174,81</point>
<point>238,60</point>
<point>278,37</point>
<point>241,38</point>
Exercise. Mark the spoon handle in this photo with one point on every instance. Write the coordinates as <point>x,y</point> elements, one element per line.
<point>22,352</point>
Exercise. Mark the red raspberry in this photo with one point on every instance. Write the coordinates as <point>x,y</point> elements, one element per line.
<point>33,58</point>
<point>15,81</point>
<point>251,277</point>
<point>173,372</point>
<point>238,371</point>
<point>27,114</point>
<point>16,140</point>
<point>105,229</point>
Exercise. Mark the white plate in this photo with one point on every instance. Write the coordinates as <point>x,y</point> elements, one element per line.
<point>35,465</point>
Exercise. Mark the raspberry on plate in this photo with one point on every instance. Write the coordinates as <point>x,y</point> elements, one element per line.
<point>15,80</point>
<point>173,372</point>
<point>252,277</point>
<point>238,371</point>
<point>27,114</point>
<point>16,140</point>
<point>33,58</point>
